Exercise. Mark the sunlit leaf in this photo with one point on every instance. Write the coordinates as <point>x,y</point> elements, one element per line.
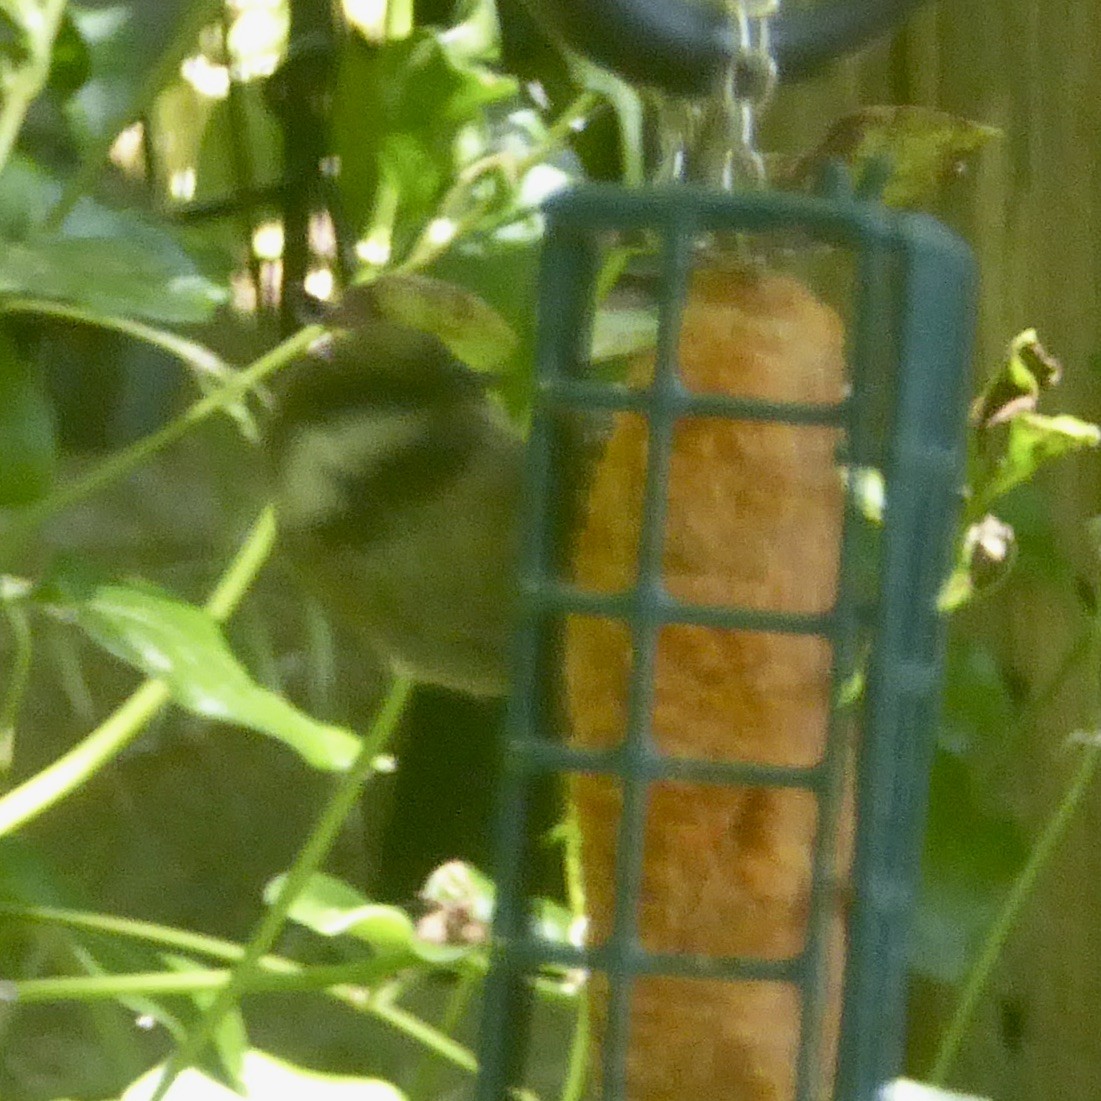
<point>504,274</point>
<point>28,440</point>
<point>472,330</point>
<point>265,1078</point>
<point>109,275</point>
<point>1028,369</point>
<point>987,555</point>
<point>134,47</point>
<point>922,147</point>
<point>184,647</point>
<point>1034,440</point>
<point>333,908</point>
<point>906,1089</point>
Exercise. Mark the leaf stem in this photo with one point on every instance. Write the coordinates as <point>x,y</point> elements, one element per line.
<point>429,246</point>
<point>343,988</point>
<point>577,1064</point>
<point>18,678</point>
<point>978,976</point>
<point>205,363</point>
<point>309,859</point>
<point>107,741</point>
<point>424,1081</point>
<point>1022,890</point>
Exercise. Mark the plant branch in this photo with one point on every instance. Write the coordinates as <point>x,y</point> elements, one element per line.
<point>430,245</point>
<point>979,975</point>
<point>18,678</point>
<point>107,741</point>
<point>309,859</point>
<point>207,366</point>
<point>342,989</point>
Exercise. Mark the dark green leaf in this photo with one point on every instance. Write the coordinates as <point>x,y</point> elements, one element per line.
<point>922,147</point>
<point>26,878</point>
<point>15,43</point>
<point>184,647</point>
<point>71,63</point>
<point>111,276</point>
<point>399,110</point>
<point>28,440</point>
<point>971,857</point>
<point>978,699</point>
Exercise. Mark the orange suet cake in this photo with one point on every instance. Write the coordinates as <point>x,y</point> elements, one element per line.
<point>753,520</point>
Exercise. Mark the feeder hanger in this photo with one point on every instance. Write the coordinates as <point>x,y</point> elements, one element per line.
<point>686,46</point>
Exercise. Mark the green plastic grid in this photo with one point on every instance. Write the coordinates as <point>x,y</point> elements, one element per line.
<point>914,307</point>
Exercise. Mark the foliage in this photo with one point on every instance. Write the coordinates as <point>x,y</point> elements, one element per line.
<point>444,159</point>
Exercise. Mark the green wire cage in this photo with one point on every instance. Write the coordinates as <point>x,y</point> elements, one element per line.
<point>903,414</point>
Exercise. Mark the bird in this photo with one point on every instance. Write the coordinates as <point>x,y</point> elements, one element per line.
<point>397,483</point>
<point>397,486</point>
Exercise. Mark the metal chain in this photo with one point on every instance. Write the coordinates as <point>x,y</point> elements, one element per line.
<point>748,85</point>
<point>713,141</point>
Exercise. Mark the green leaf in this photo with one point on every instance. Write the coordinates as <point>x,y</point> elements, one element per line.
<point>1034,440</point>
<point>472,330</point>
<point>1028,369</point>
<point>108,275</point>
<point>503,274</point>
<point>400,109</point>
<point>986,557</point>
<point>71,62</point>
<point>26,878</point>
<point>868,492</point>
<point>184,647</point>
<point>978,699</point>
<point>265,1078</point>
<point>971,857</point>
<point>333,908</point>
<point>923,148</point>
<point>133,48</point>
<point>28,439</point>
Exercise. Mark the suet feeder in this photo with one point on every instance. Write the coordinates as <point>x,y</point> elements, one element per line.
<point>732,652</point>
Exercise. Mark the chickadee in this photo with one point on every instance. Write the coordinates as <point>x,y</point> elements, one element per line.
<point>397,486</point>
